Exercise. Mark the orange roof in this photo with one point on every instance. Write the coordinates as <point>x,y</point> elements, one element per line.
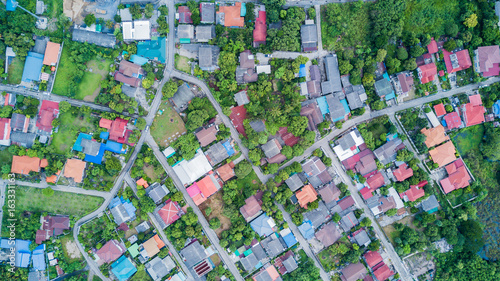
<point>142,182</point>
<point>226,171</point>
<point>439,108</point>
<point>25,164</point>
<point>105,123</point>
<point>208,186</point>
<point>434,136</point>
<point>51,179</point>
<point>51,53</point>
<point>153,245</point>
<point>473,114</point>
<point>476,100</point>
<point>306,195</point>
<point>232,15</point>
<point>44,163</point>
<point>198,199</point>
<point>74,169</point>
<point>443,154</point>
<point>414,193</point>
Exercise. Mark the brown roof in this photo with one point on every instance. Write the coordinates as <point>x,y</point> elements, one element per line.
<point>434,136</point>
<point>488,56</point>
<point>51,53</point>
<point>328,234</point>
<point>313,114</point>
<point>403,172</point>
<point>226,171</point>
<point>252,207</point>
<point>74,169</point>
<point>207,135</point>
<point>111,251</point>
<point>443,154</point>
<point>55,224</point>
<point>153,245</point>
<point>346,202</point>
<point>245,61</point>
<point>25,164</point>
<point>306,195</point>
<point>353,272</point>
<point>129,68</point>
<point>387,203</point>
<point>330,192</point>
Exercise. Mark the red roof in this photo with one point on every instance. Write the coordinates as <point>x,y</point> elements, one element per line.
<point>306,195</point>
<point>170,212</point>
<point>441,73</point>
<point>432,47</point>
<point>406,82</point>
<point>462,60</point>
<point>288,137</point>
<point>473,115</point>
<point>366,193</point>
<point>488,58</point>
<point>452,120</point>
<point>117,130</point>
<point>346,202</point>
<point>383,273</point>
<point>208,186</point>
<point>427,72</point>
<point>48,112</point>
<point>375,181</point>
<point>238,114</point>
<point>260,31</point>
<point>414,193</point>
<point>458,177</point>
<point>111,251</point>
<point>4,129</point>
<point>184,14</point>
<point>475,100</point>
<point>105,123</point>
<point>439,108</point>
<point>41,235</point>
<point>372,258</point>
<point>403,172</point>
<point>132,81</point>
<point>195,193</point>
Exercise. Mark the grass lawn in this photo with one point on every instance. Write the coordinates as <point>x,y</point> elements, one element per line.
<point>167,126</point>
<point>71,251</point>
<point>391,232</point>
<point>182,64</point>
<point>141,275</point>
<point>250,181</point>
<point>468,138</point>
<point>377,128</point>
<point>217,205</point>
<point>64,139</point>
<point>15,71</point>
<point>90,85</point>
<point>32,199</point>
<point>56,8</point>
<point>64,74</point>
<point>5,156</point>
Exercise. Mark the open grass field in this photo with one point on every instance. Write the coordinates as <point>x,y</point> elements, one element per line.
<point>167,126</point>
<point>391,232</point>
<point>251,181</point>
<point>468,138</point>
<point>217,205</point>
<point>5,156</point>
<point>32,199</point>
<point>431,16</point>
<point>71,251</point>
<point>182,64</point>
<point>64,139</point>
<point>15,71</point>
<point>64,74</point>
<point>90,85</point>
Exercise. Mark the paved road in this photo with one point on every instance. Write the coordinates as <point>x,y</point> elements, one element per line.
<point>204,223</point>
<point>303,243</point>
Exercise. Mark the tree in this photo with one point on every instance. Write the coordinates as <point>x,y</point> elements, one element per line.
<point>391,212</point>
<point>196,118</point>
<point>64,106</point>
<point>169,89</point>
<point>450,45</point>
<point>89,19</point>
<point>208,211</point>
<point>345,67</point>
<point>338,124</point>
<point>404,155</point>
<point>336,217</point>
<point>136,11</point>
<point>187,145</point>
<point>473,233</point>
<point>381,54</point>
<point>311,12</point>
<point>368,80</point>
<point>471,21</point>
<point>378,105</point>
<point>417,51</point>
<point>490,147</point>
<point>242,169</point>
<point>148,10</point>
<point>48,192</point>
<point>113,165</point>
<point>366,222</point>
<point>452,30</point>
<point>147,204</point>
<point>297,125</point>
<point>448,108</point>
<point>287,151</point>
<point>215,223</point>
<point>410,64</point>
<point>177,196</point>
<point>401,53</point>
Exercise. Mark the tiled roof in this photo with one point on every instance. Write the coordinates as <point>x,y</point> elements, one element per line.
<point>434,136</point>
<point>383,273</point>
<point>207,135</point>
<point>353,272</point>
<point>232,15</point>
<point>329,192</point>
<point>260,31</point>
<point>372,258</point>
<point>226,171</point>
<point>453,120</point>
<point>443,154</point>
<point>111,251</point>
<point>51,53</point>
<point>432,48</point>
<point>414,193</point>
<point>488,59</point>
<point>306,195</point>
<point>403,172</point>
<point>25,164</point>
<point>170,212</point>
<point>238,114</point>
<point>427,72</point>
<point>375,181</point>
<point>75,168</point>
<point>458,177</point>
<point>328,234</point>
<point>439,109</point>
<point>473,115</point>
<point>313,114</point>
<point>457,61</point>
<point>251,208</point>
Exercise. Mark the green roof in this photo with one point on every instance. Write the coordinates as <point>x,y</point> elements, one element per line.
<point>134,250</point>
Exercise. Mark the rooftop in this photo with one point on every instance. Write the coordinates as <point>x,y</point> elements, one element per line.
<point>306,195</point>
<point>75,168</point>
<point>443,154</point>
<point>434,136</point>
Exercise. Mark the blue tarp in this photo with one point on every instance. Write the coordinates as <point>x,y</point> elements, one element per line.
<point>302,70</point>
<point>123,268</point>
<point>323,105</point>
<point>11,5</point>
<point>113,146</point>
<point>114,202</point>
<point>496,108</point>
<point>229,148</point>
<point>153,49</point>
<point>346,107</point>
<point>443,122</point>
<point>32,67</point>
<point>78,143</point>
<point>138,60</point>
<point>104,135</point>
<point>39,258</point>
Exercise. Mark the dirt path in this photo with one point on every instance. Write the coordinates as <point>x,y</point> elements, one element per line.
<point>72,250</point>
<point>73,9</point>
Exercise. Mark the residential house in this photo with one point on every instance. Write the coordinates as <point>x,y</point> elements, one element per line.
<point>487,60</point>
<point>307,230</point>
<point>206,135</point>
<point>338,108</point>
<point>151,247</point>
<point>316,172</point>
<point>263,225</point>
<point>189,171</point>
<point>288,237</point>
<point>207,12</point>
<point>231,16</point>
<point>382,272</point>
<point>353,272</point>
<point>110,251</point>
<point>433,119</point>
<point>273,245</point>
<point>329,193</point>
<point>220,152</point>
<point>157,191</point>
<point>457,61</point>
<point>168,213</point>
<point>203,267</point>
<point>372,258</point>
<point>5,131</point>
<point>403,172</point>
<point>184,15</point>
<point>427,72</point>
<point>348,221</point>
<point>333,83</point>
<point>51,226</point>
<point>313,114</point>
<point>263,69</point>
<point>473,111</point>
<point>136,30</point>
<point>403,84</point>
<point>49,110</point>
<point>383,88</point>
<point>123,268</point>
<point>51,54</point>
<point>328,234</point>
<point>25,164</point>
<point>458,177</point>
<point>100,39</point>
<point>453,120</point>
<point>295,182</point>
<point>226,171</point>
<point>129,73</point>
<point>439,109</point>
<point>432,48</point>
<point>355,94</point>
<point>380,204</point>
<point>260,30</point>
<point>271,148</point>
<point>38,258</point>
<point>182,97</point>
<point>32,67</point>
<point>245,72</point>
<point>388,151</point>
<point>22,139</point>
<point>413,193</point>
<point>267,273</point>
<point>375,181</point>
<point>21,252</point>
<point>349,144</point>
<point>430,205</point>
<point>75,169</point>
<point>443,154</point>
<point>204,33</point>
<point>317,216</point>
<point>309,37</point>
<point>19,123</point>
<point>158,268</point>
<point>122,210</point>
<point>193,254</point>
<point>203,188</point>
<point>250,262</point>
<point>361,238</point>
<point>241,98</point>
<point>286,263</point>
<point>117,129</point>
<point>434,136</point>
<point>252,207</point>
<point>185,33</point>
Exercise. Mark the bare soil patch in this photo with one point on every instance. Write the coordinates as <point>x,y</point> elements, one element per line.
<point>216,203</point>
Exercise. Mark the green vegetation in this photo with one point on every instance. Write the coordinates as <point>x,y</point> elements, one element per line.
<point>71,123</point>
<point>97,232</point>
<point>91,80</point>
<point>167,126</point>
<point>468,138</point>
<point>182,63</point>
<point>15,72</point>
<point>146,166</point>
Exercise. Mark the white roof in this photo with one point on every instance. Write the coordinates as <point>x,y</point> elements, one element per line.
<point>168,151</point>
<point>136,30</point>
<point>433,119</point>
<point>263,69</point>
<point>303,88</point>
<point>189,171</point>
<point>344,154</point>
<point>397,199</point>
<point>9,52</point>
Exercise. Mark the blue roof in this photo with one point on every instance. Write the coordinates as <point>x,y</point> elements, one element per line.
<point>138,60</point>
<point>346,107</point>
<point>307,230</point>
<point>104,135</point>
<point>32,67</point>
<point>290,240</point>
<point>114,202</point>
<point>323,105</point>
<point>390,96</point>
<point>11,5</point>
<point>261,225</point>
<point>98,158</point>
<point>23,252</point>
<point>229,148</point>
<point>115,147</point>
<point>496,108</point>
<point>302,70</point>
<point>123,268</point>
<point>243,10</point>
<point>39,258</point>
<point>443,122</point>
<point>78,143</point>
<point>130,209</point>
<point>153,49</point>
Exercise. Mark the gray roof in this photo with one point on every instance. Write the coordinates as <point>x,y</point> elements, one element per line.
<point>37,275</point>
<point>142,227</point>
<point>159,268</point>
<point>99,39</point>
<point>183,96</point>
<point>205,32</point>
<point>125,14</point>
<point>259,252</point>
<point>362,238</point>
<point>22,139</point>
<point>273,245</point>
<point>17,122</point>
<point>309,34</point>
<point>142,2</point>
<point>354,100</point>
<point>207,12</point>
<point>90,147</point>
<point>120,214</point>
<point>383,87</point>
<point>241,98</point>
<point>430,203</point>
<point>348,221</point>
<point>347,141</point>
<point>217,153</point>
<point>317,216</point>
<point>249,262</point>
<point>193,253</point>
<point>387,152</point>
<point>295,182</point>
<point>314,72</point>
<point>205,56</point>
<point>185,31</point>
<point>313,166</point>
<point>333,76</point>
<point>271,148</point>
<point>157,192</point>
<point>290,264</point>
<point>335,106</point>
<point>328,234</point>
<point>258,125</point>
<point>40,45</point>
